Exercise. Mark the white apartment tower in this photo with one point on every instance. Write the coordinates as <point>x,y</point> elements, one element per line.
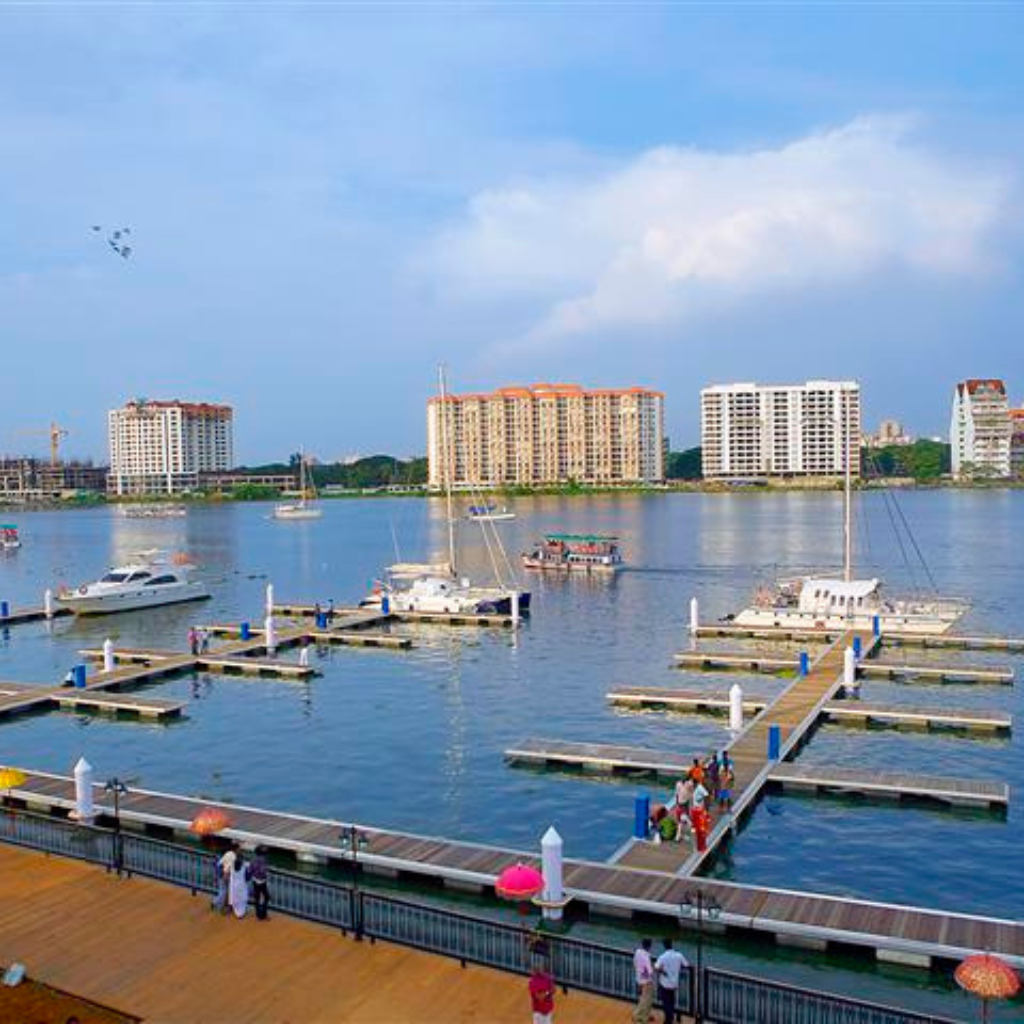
<point>980,429</point>
<point>547,434</point>
<point>754,431</point>
<point>162,447</point>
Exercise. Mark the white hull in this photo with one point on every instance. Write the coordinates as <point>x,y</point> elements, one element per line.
<point>296,512</point>
<point>495,517</point>
<point>133,600</point>
<point>921,624</point>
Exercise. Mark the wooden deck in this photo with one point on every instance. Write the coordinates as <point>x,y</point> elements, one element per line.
<point>752,661</point>
<point>160,954</point>
<point>849,710</point>
<point>18,616</point>
<point>605,888</point>
<point>968,643</point>
<point>145,707</point>
<point>955,791</point>
<point>375,615</point>
<point>604,757</point>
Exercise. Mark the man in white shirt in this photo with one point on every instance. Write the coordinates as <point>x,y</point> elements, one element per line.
<point>644,969</point>
<point>225,866</point>
<point>668,968</point>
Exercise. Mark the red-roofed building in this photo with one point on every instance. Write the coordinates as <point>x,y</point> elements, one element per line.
<point>979,432</point>
<point>547,434</point>
<point>161,447</point>
<point>1017,443</point>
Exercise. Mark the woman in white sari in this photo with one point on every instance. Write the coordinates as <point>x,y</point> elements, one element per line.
<point>238,887</point>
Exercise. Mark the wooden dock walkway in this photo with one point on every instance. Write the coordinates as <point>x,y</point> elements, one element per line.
<point>145,707</point>
<point>909,934</point>
<point>847,710</point>
<point>441,618</point>
<point>743,661</point>
<point>725,630</point>
<point>18,616</point>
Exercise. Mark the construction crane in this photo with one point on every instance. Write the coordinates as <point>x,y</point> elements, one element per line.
<point>55,434</point>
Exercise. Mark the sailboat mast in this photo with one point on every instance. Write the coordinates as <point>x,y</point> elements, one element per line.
<point>447,470</point>
<point>847,500</point>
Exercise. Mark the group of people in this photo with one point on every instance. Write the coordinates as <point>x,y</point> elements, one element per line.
<point>198,640</point>
<point>239,880</point>
<point>662,975</point>
<point>707,783</point>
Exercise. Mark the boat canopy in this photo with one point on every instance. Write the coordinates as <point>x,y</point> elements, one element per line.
<point>581,538</point>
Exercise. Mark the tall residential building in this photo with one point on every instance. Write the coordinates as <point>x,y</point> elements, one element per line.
<point>753,431</point>
<point>890,432</point>
<point>979,431</point>
<point>547,434</point>
<point>1017,443</point>
<point>162,447</point>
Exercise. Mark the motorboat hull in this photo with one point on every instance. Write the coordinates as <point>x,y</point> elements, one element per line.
<point>542,565</point>
<point>888,622</point>
<point>134,600</point>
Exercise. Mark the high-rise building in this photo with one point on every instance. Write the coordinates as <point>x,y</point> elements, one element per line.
<point>754,431</point>
<point>547,434</point>
<point>162,447</point>
<point>979,431</point>
<point>1017,443</point>
<point>890,432</point>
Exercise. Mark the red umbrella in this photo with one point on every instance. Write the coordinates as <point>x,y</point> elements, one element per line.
<point>519,882</point>
<point>989,977</point>
<point>209,821</point>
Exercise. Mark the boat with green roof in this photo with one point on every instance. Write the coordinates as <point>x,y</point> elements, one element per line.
<point>575,552</point>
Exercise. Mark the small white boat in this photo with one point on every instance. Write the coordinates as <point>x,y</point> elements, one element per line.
<point>9,539</point>
<point>147,583</point>
<point>490,513</point>
<point>412,587</point>
<point>303,508</point>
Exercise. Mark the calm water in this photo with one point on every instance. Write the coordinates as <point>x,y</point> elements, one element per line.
<point>414,740</point>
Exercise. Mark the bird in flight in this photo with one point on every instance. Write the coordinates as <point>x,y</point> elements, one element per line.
<point>117,240</point>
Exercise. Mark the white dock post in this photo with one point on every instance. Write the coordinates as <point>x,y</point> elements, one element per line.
<point>48,602</point>
<point>108,655</point>
<point>270,599</point>
<point>694,616</point>
<point>850,671</point>
<point>736,707</point>
<point>515,607</point>
<point>84,810</point>
<point>270,634</point>
<point>304,656</point>
<point>551,866</point>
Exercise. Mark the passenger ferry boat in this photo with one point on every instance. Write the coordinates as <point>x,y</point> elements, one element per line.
<point>151,581</point>
<point>9,539</point>
<point>575,552</point>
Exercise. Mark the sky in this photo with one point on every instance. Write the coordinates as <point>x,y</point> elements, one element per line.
<point>328,201</point>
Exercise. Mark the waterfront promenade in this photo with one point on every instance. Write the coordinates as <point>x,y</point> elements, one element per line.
<point>152,950</point>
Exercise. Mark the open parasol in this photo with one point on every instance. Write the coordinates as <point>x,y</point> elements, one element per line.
<point>11,777</point>
<point>209,821</point>
<point>987,977</point>
<point>519,883</point>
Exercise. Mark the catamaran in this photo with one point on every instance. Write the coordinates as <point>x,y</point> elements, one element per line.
<point>438,587</point>
<point>827,602</point>
<point>303,508</point>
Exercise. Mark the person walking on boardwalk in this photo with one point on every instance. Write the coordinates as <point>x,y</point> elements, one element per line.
<point>726,780</point>
<point>238,886</point>
<point>204,640</point>
<point>681,808</point>
<point>193,640</point>
<point>542,996</point>
<point>668,968</point>
<point>643,968</point>
<point>224,868</point>
<point>260,883</point>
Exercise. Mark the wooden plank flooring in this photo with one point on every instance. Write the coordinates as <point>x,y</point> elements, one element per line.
<point>150,707</point>
<point>153,950</point>
<point>603,756</point>
<point>942,640</point>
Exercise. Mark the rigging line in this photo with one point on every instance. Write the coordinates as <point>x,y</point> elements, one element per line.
<point>913,541</point>
<point>899,538</point>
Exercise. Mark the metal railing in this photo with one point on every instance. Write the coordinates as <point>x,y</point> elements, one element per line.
<point>726,997</point>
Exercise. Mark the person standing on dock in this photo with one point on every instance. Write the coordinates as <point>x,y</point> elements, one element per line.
<point>681,808</point>
<point>726,779</point>
<point>193,640</point>
<point>643,967</point>
<point>204,640</point>
<point>238,886</point>
<point>542,996</point>
<point>668,967</point>
<point>260,883</point>
<point>224,868</point>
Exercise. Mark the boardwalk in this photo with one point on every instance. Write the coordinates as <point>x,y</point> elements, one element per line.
<point>942,640</point>
<point>154,951</point>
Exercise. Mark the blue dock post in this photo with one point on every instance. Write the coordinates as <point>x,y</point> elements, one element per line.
<point>5,609</point>
<point>641,815</point>
<point>243,631</point>
<point>876,625</point>
<point>774,742</point>
<point>857,647</point>
<point>385,605</point>
<point>79,671</point>
<point>805,663</point>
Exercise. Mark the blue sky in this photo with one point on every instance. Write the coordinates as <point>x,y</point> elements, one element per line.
<point>327,201</point>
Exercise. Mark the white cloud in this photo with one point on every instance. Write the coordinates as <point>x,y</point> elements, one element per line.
<point>651,240</point>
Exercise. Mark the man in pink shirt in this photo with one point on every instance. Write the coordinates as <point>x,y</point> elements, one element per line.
<point>542,996</point>
<point>644,968</point>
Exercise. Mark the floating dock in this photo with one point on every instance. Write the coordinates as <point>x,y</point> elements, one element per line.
<point>903,934</point>
<point>376,615</point>
<point>726,630</point>
<point>21,615</point>
<point>742,661</point>
<point>602,757</point>
<point>144,707</point>
<point>849,710</point>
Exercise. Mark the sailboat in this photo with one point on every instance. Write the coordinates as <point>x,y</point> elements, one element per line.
<point>303,508</point>
<point>827,603</point>
<point>438,588</point>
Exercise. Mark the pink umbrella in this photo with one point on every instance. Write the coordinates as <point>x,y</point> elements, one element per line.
<point>519,882</point>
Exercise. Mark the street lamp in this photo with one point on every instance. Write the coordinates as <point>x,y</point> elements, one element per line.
<point>118,789</point>
<point>698,903</point>
<point>355,839</point>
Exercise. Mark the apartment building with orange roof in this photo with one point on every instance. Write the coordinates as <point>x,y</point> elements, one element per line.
<point>980,429</point>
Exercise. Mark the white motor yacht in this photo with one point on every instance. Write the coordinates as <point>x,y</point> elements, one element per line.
<point>146,583</point>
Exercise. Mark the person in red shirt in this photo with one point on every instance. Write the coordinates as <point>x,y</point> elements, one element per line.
<point>542,996</point>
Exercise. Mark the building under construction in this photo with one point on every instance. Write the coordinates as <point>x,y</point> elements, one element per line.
<point>26,479</point>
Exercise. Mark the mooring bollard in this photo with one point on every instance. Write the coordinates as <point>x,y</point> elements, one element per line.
<point>84,810</point>
<point>805,663</point>
<point>774,742</point>
<point>108,655</point>
<point>244,632</point>
<point>857,647</point>
<point>48,603</point>
<point>641,815</point>
<point>515,607</point>
<point>270,634</point>
<point>849,670</point>
<point>551,868</point>
<point>79,674</point>
<point>270,599</point>
<point>385,605</point>
<point>694,616</point>
<point>736,707</point>
<point>876,625</point>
